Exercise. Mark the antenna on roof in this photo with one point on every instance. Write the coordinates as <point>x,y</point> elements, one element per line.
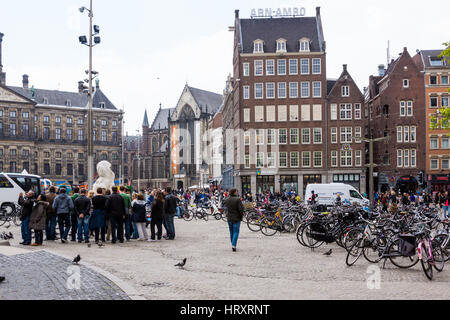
<point>388,52</point>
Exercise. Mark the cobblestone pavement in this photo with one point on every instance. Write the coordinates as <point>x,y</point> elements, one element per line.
<point>42,275</point>
<point>263,268</point>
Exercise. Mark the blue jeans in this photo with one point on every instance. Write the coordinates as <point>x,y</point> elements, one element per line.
<point>50,227</point>
<point>64,225</point>
<point>235,228</point>
<point>179,212</point>
<point>128,226</point>
<point>170,226</point>
<point>135,231</point>
<point>26,232</point>
<point>83,227</point>
<point>445,209</point>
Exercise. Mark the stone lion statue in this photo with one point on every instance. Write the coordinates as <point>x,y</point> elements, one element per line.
<point>105,176</point>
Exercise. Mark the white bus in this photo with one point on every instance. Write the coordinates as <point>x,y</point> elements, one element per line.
<point>12,184</point>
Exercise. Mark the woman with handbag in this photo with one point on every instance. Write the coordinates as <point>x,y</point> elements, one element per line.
<point>37,220</point>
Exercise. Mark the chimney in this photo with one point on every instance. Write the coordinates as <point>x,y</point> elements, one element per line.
<point>236,13</point>
<point>345,67</point>
<point>317,11</point>
<point>2,74</point>
<point>80,86</point>
<point>381,70</point>
<point>97,84</point>
<point>25,81</point>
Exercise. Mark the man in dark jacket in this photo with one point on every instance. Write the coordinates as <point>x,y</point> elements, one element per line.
<point>50,221</point>
<point>115,209</point>
<point>27,208</point>
<point>73,215</point>
<point>170,209</point>
<point>63,205</point>
<point>235,213</point>
<point>82,208</point>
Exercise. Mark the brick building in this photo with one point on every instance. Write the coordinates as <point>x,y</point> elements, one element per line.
<point>396,104</point>
<point>436,72</point>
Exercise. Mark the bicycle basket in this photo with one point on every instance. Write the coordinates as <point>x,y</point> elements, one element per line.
<point>407,245</point>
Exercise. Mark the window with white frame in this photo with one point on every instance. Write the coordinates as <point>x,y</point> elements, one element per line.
<point>434,143</point>
<point>293,113</point>
<point>317,66</point>
<point>282,136</point>
<point>246,92</point>
<point>358,134</point>
<point>270,113</point>
<point>259,91</point>
<point>270,67</point>
<point>346,158</point>
<point>258,46</point>
<point>317,159</point>
<point>402,108</point>
<point>281,67</point>
<point>282,113</point>
<point>294,135</point>
<point>334,135</point>
<point>399,158</point>
<point>304,45</point>
<point>306,112</point>
<point>304,68</point>
<point>259,137</point>
<point>445,142</point>
<point>293,90</point>
<point>283,159</point>
<point>317,112</point>
<point>271,136</point>
<point>317,135</point>
<point>246,115</point>
<point>305,89</point>
<point>247,161</point>
<point>246,69</point>
<point>334,158</point>
<point>270,90</point>
<point>281,46</point>
<point>260,159</point>
<point>445,164</point>
<point>246,138</point>
<point>259,113</point>
<point>406,158</point>
<point>345,90</point>
<point>413,158</point>
<point>294,160</point>
<point>281,90</point>
<point>357,111</point>
<point>317,89</point>
<point>271,160</point>
<point>306,136</point>
<point>444,80</point>
<point>358,158</point>
<point>259,68</point>
<point>306,159</point>
<point>293,66</point>
<point>444,101</point>
<point>333,112</point>
<point>434,164</point>
<point>406,134</point>
<point>346,134</point>
<point>409,110</point>
<point>399,134</point>
<point>405,83</point>
<point>346,111</point>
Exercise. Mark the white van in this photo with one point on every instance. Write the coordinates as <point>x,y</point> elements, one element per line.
<point>327,194</point>
<point>12,184</point>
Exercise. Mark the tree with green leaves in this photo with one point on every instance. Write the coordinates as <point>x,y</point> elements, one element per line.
<point>442,120</point>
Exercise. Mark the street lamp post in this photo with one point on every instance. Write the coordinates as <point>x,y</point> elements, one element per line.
<point>139,161</point>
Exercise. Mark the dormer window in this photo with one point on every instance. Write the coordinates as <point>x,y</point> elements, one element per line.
<point>102,105</point>
<point>281,45</point>
<point>258,46</point>
<point>436,62</point>
<point>45,100</point>
<point>68,103</point>
<point>304,45</point>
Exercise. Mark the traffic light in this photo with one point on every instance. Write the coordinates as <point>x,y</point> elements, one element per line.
<point>421,178</point>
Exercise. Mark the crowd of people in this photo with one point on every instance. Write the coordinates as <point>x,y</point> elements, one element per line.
<point>104,215</point>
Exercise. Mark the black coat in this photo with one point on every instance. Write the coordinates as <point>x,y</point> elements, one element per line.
<point>27,207</point>
<point>157,209</point>
<point>170,205</point>
<point>82,205</point>
<point>115,205</point>
<point>138,211</point>
<point>235,209</point>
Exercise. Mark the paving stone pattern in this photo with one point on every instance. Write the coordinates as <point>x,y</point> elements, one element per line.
<point>41,275</point>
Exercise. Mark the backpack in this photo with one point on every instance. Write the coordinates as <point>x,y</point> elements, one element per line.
<point>407,245</point>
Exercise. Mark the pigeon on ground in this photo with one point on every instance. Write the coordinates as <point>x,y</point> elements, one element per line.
<point>89,245</point>
<point>2,279</point>
<point>328,253</point>
<point>76,259</point>
<point>100,244</point>
<point>181,264</point>
<point>11,236</point>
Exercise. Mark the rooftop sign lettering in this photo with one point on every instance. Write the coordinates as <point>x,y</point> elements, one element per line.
<point>277,13</point>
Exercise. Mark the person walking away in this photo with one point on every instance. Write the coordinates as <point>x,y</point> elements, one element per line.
<point>27,208</point>
<point>445,205</point>
<point>98,219</point>
<point>82,208</point>
<point>235,213</point>
<point>63,206</point>
<point>115,209</point>
<point>37,220</point>
<point>170,209</point>
<point>50,220</point>
<point>138,216</point>
<point>127,202</point>
<point>108,222</point>
<point>73,215</point>
<point>437,200</point>
<point>134,231</point>
<point>157,212</point>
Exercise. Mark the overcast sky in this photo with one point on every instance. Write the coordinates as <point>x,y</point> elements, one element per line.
<point>151,49</point>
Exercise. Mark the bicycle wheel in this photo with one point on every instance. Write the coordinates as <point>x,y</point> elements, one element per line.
<point>289,225</point>
<point>398,259</point>
<point>442,239</point>
<point>253,224</point>
<point>351,237</point>
<point>426,265</point>
<point>438,256</point>
<point>299,234</point>
<point>3,217</point>
<point>205,215</point>
<point>307,235</point>
<point>269,230</point>
<point>354,253</point>
<point>372,252</point>
<point>188,215</point>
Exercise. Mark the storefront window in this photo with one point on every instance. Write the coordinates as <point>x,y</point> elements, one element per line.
<point>265,184</point>
<point>289,183</point>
